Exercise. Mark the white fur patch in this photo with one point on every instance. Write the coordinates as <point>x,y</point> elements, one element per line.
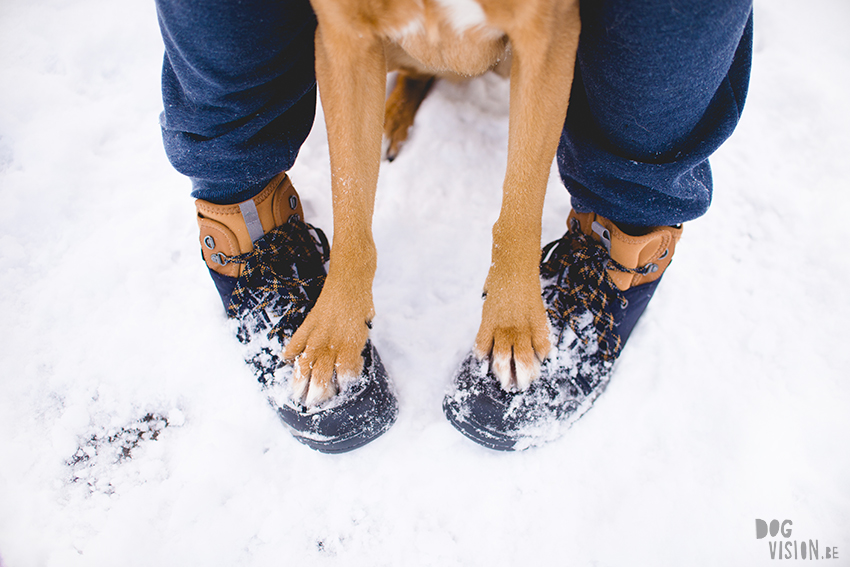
<point>317,394</point>
<point>502,370</point>
<point>414,27</point>
<point>300,382</point>
<point>525,374</point>
<point>463,14</point>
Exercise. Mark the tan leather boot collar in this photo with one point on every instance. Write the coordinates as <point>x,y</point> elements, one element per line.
<point>653,250</point>
<point>230,230</point>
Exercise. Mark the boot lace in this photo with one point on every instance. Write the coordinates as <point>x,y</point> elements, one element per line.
<point>281,277</point>
<point>577,266</point>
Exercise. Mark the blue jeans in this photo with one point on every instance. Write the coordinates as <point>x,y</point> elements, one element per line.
<point>659,85</point>
<point>239,91</point>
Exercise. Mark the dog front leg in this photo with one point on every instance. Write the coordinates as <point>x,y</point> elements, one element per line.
<point>351,73</point>
<point>514,328</point>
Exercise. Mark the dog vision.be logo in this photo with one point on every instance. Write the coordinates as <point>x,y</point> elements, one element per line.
<point>783,547</point>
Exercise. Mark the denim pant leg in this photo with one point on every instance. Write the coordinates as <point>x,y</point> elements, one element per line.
<point>659,85</point>
<point>239,91</point>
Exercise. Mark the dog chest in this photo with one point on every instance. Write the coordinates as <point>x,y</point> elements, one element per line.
<point>463,14</point>
<point>447,36</point>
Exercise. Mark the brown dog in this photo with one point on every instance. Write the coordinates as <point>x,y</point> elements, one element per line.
<point>357,43</point>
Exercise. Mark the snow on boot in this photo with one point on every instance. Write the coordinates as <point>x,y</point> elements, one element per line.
<point>269,267</point>
<point>597,281</point>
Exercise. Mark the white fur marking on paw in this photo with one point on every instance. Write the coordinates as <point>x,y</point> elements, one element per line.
<point>300,382</point>
<point>318,394</point>
<point>525,374</point>
<point>502,369</point>
<point>344,379</point>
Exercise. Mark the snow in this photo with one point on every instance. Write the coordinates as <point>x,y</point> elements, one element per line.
<point>731,402</point>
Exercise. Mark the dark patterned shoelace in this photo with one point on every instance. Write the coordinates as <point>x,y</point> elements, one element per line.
<point>283,275</point>
<point>579,265</point>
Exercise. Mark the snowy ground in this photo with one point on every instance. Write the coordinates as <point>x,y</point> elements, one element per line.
<point>731,403</point>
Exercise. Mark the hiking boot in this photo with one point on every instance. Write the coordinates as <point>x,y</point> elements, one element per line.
<point>269,267</point>
<point>597,281</point>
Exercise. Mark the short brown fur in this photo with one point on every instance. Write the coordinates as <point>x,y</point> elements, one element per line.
<point>357,43</point>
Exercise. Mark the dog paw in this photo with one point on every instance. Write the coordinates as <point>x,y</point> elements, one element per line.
<point>516,342</point>
<point>326,349</point>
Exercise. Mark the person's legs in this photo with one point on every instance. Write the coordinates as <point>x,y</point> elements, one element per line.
<point>239,91</point>
<point>238,86</point>
<point>659,86</point>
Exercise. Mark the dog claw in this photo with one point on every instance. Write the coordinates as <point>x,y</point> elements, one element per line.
<point>391,153</point>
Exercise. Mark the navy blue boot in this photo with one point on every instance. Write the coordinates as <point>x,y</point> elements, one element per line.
<point>269,267</point>
<point>597,281</point>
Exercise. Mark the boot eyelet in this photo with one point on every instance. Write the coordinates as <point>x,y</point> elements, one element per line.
<point>293,202</point>
<point>293,218</point>
<point>220,259</point>
<point>666,252</point>
<point>651,268</point>
<point>209,242</point>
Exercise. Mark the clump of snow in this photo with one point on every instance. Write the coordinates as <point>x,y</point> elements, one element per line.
<point>106,446</point>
